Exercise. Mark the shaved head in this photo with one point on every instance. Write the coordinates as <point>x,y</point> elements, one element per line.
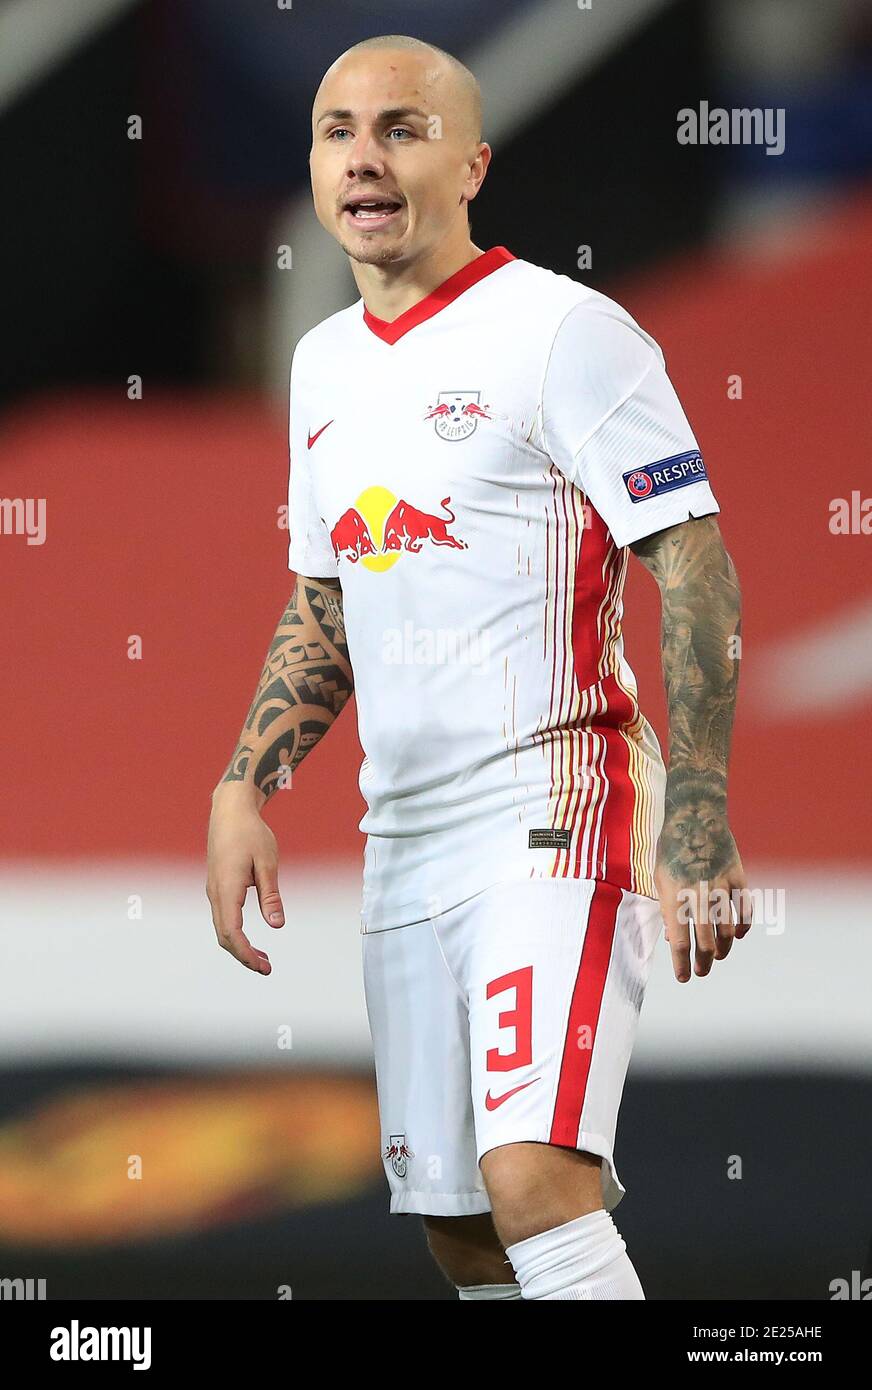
<point>467,89</point>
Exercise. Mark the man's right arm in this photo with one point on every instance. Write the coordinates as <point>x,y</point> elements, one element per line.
<point>304,686</point>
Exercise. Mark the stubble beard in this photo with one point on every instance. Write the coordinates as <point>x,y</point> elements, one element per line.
<point>377,255</point>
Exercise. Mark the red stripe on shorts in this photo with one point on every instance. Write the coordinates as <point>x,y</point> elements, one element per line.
<point>584,1012</point>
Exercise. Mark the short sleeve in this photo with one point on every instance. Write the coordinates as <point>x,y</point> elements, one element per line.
<point>613,424</point>
<point>310,551</point>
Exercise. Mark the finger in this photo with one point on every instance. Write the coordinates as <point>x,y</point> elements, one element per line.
<point>704,952</point>
<point>267,883</point>
<point>725,935</point>
<point>227,900</point>
<point>721,911</point>
<point>744,905</point>
<point>677,924</point>
<point>239,946</point>
<point>227,918</point>
<point>696,906</point>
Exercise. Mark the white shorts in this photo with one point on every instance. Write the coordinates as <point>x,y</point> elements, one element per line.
<point>508,1018</point>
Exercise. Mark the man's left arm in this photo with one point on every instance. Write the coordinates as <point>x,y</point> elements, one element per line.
<point>698,864</point>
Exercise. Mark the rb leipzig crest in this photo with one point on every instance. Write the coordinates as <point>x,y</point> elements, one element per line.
<point>398,1151</point>
<point>456,414</point>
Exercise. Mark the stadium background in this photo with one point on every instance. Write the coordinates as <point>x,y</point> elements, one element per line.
<point>123,1029</point>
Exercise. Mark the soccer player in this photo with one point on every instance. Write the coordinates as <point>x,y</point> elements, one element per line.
<point>476,445</point>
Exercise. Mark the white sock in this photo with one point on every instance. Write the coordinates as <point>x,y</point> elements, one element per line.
<point>488,1291</point>
<point>584,1259</point>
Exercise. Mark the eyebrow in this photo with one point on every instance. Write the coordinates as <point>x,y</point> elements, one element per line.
<point>392,113</point>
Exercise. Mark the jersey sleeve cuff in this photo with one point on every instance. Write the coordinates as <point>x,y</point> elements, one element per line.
<point>320,566</point>
<point>653,521</point>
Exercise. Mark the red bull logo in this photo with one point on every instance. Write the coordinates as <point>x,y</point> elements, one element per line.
<point>456,414</point>
<point>398,1151</point>
<point>408,526</point>
<point>381,526</point>
<point>350,537</point>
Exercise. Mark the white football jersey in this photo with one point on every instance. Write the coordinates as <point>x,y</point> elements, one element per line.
<point>472,472</point>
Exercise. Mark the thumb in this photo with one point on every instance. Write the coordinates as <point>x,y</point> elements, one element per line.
<point>267,884</point>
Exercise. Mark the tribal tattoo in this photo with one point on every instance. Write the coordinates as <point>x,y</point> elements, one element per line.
<point>700,647</point>
<point>303,687</point>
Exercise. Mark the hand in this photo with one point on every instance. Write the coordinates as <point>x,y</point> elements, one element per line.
<point>241,853</point>
<point>703,897</point>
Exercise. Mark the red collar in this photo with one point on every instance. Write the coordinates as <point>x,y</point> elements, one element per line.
<point>449,290</point>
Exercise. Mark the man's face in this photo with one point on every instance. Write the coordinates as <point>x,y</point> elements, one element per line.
<point>391,129</point>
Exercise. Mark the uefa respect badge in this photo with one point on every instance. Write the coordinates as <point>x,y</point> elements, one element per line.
<point>655,478</point>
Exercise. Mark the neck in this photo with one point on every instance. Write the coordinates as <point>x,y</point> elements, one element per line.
<point>389,290</point>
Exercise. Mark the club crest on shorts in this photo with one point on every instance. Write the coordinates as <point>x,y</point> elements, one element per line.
<point>398,1151</point>
<point>456,414</point>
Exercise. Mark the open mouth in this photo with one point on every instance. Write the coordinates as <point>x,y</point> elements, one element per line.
<point>372,213</point>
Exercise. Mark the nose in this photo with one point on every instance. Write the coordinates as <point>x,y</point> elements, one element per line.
<point>365,157</point>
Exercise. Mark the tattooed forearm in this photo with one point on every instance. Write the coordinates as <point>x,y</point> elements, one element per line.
<point>700,651</point>
<point>304,685</point>
<point>701,624</point>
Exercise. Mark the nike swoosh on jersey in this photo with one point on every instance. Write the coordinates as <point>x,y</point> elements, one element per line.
<point>318,433</point>
<point>491,1102</point>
